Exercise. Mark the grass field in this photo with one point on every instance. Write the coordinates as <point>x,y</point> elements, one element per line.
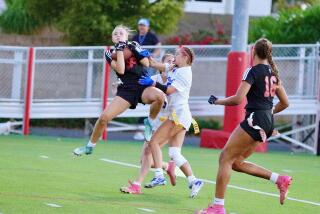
<point>36,171</point>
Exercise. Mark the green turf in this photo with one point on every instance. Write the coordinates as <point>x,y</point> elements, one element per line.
<point>88,185</point>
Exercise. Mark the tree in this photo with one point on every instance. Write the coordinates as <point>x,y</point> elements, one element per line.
<point>90,22</point>
<point>16,18</point>
<point>289,27</point>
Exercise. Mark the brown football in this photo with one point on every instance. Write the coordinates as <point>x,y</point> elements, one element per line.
<point>127,53</point>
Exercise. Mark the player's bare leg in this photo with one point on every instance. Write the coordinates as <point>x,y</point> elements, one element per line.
<point>176,143</point>
<point>156,98</point>
<point>116,107</point>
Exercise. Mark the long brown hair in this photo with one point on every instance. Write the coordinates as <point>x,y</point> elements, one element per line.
<point>263,49</point>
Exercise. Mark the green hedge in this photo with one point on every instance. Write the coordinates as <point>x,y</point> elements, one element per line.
<point>206,124</point>
<point>59,123</point>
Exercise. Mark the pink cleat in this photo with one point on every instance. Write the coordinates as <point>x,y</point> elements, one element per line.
<point>171,172</point>
<point>213,209</point>
<point>131,189</point>
<point>283,184</point>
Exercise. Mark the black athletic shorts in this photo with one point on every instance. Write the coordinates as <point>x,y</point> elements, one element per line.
<point>257,121</point>
<point>131,93</point>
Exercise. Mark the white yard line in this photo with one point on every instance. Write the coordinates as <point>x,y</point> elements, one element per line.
<point>230,186</point>
<point>44,156</point>
<point>147,210</point>
<point>52,205</point>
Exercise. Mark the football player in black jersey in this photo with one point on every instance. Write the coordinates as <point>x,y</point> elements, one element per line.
<point>260,84</point>
<point>129,92</point>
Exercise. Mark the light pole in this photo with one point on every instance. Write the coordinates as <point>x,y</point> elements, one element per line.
<point>237,62</point>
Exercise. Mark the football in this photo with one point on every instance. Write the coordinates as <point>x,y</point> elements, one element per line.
<point>127,53</point>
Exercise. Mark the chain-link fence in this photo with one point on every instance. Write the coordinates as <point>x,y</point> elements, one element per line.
<point>68,73</point>
<point>298,66</point>
<point>68,82</point>
<point>64,74</point>
<point>73,74</point>
<point>13,66</point>
<point>209,68</point>
<point>299,69</point>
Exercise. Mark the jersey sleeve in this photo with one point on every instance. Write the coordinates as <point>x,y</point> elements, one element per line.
<point>248,76</point>
<point>182,81</point>
<point>138,51</point>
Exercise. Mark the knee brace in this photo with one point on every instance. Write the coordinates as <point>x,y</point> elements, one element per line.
<point>175,154</point>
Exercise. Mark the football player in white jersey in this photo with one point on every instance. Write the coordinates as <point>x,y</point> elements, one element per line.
<point>146,156</point>
<point>173,130</point>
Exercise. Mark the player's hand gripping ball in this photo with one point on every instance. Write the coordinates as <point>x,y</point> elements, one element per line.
<point>127,53</point>
<point>121,46</point>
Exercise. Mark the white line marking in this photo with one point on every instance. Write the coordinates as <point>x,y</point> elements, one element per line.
<point>52,205</point>
<point>178,172</point>
<point>147,210</point>
<point>43,156</point>
<point>287,170</point>
<point>230,186</point>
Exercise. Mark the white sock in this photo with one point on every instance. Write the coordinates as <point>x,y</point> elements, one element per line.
<point>90,144</point>
<point>159,173</point>
<point>136,183</point>
<point>274,177</point>
<point>191,179</point>
<point>218,201</point>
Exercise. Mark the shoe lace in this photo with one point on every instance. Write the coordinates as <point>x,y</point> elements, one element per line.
<point>197,182</point>
<point>194,183</point>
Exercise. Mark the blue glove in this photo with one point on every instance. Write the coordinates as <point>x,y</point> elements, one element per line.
<point>146,80</point>
<point>212,99</point>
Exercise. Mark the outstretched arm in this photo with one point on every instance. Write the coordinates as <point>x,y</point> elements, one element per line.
<point>157,65</point>
<point>148,81</point>
<point>145,62</point>
<point>237,98</point>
